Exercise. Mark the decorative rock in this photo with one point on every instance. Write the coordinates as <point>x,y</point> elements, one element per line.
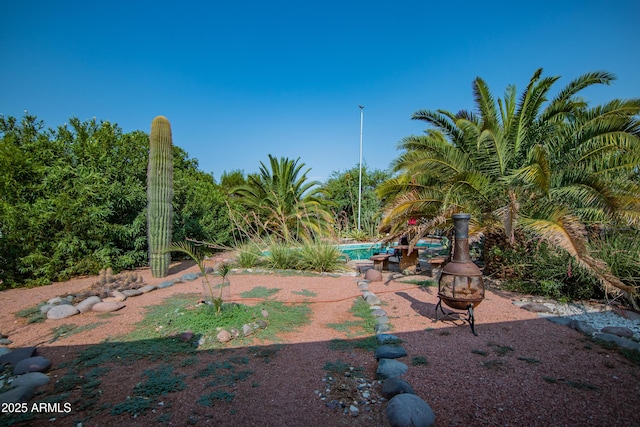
<point>383,338</point>
<point>31,379</point>
<point>373,300</point>
<point>388,368</point>
<point>4,350</point>
<point>20,394</point>
<point>261,323</point>
<point>186,336</point>
<point>380,328</point>
<point>235,333</point>
<point>62,311</point>
<point>390,352</point>
<point>264,313</point>
<point>536,307</point>
<point>583,327</point>
<point>132,292</point>
<point>363,286</point>
<point>32,364</point>
<point>631,315</point>
<point>45,308</point>
<point>408,410</point>
<point>119,296</point>
<point>247,330</point>
<point>563,321</point>
<point>189,277</point>
<point>86,304</point>
<point>619,341</point>
<point>166,284</point>
<point>353,410</point>
<point>620,331</point>
<point>107,306</point>
<point>5,341</point>
<point>382,319</point>
<point>394,386</point>
<point>379,312</point>
<point>17,355</point>
<point>224,336</point>
<point>148,288</point>
<point>373,275</point>
<point>54,301</point>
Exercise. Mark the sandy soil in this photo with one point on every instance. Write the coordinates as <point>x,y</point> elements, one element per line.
<point>520,370</point>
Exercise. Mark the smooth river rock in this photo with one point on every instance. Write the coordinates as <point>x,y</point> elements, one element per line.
<point>62,311</point>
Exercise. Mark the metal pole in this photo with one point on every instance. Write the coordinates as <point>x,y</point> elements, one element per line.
<point>360,179</point>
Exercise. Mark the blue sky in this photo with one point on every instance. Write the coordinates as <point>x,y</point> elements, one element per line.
<point>241,80</point>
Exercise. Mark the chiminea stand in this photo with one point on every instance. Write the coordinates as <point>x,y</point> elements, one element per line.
<point>460,285</point>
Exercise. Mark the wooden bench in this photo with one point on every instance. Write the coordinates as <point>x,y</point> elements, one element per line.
<point>381,261</point>
<point>437,261</point>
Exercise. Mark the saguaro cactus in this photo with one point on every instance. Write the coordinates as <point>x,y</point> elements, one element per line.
<point>159,196</point>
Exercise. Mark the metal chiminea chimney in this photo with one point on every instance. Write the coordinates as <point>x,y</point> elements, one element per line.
<point>461,286</point>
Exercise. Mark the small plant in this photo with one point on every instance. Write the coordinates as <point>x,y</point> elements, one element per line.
<point>305,293</point>
<point>529,360</point>
<point>360,309</point>
<point>493,364</point>
<point>195,254</point>
<point>67,330</point>
<point>500,350</point>
<point>32,314</point>
<point>249,255</point>
<point>220,395</point>
<point>419,361</point>
<point>222,271</point>
<point>259,292</point>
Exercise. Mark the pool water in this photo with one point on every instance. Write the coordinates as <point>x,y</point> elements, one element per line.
<point>366,250</point>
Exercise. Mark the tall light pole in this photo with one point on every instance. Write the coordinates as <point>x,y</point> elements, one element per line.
<point>360,179</point>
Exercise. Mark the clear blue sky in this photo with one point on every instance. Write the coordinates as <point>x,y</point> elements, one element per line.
<point>241,80</point>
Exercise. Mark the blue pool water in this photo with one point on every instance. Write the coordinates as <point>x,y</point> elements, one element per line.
<point>366,250</point>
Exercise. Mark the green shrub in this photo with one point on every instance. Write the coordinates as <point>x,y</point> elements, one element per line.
<point>320,256</point>
<point>283,256</point>
<point>249,255</point>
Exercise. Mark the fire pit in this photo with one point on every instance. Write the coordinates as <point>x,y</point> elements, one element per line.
<point>460,286</point>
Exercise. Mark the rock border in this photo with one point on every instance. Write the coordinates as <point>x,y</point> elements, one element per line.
<point>404,407</point>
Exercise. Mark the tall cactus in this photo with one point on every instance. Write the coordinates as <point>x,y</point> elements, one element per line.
<point>159,196</point>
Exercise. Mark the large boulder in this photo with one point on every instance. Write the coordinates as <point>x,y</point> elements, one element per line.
<point>86,304</point>
<point>373,275</point>
<point>32,364</point>
<point>107,306</point>
<point>62,311</point>
<point>408,410</point>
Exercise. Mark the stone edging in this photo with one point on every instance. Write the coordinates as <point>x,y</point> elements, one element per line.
<point>405,408</point>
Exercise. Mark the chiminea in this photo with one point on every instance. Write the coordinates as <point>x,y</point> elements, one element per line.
<point>461,286</point>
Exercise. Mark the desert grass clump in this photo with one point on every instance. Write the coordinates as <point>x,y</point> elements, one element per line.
<point>283,256</point>
<point>320,256</point>
<point>249,255</point>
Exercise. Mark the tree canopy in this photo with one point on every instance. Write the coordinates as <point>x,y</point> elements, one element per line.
<point>550,165</point>
<point>72,200</point>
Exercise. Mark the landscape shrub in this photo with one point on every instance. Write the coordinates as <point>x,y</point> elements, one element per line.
<point>320,256</point>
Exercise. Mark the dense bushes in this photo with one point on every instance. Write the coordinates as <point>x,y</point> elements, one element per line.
<point>532,266</point>
<point>72,200</point>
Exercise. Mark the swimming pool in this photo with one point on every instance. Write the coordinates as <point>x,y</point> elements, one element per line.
<point>366,250</point>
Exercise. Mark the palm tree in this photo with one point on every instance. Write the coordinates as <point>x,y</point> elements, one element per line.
<point>284,204</point>
<point>545,165</point>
